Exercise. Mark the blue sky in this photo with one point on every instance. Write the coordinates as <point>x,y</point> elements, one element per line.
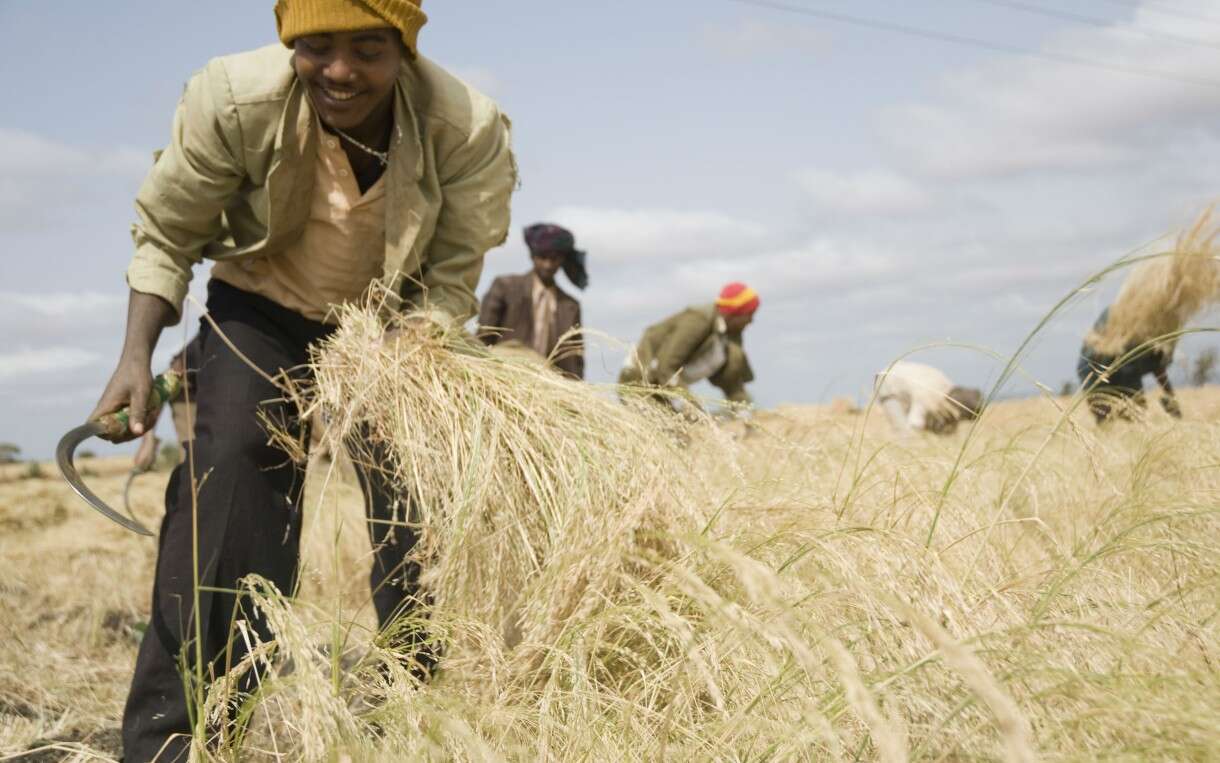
<point>882,191</point>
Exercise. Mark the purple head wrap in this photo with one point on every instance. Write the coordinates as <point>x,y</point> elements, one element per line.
<point>545,238</point>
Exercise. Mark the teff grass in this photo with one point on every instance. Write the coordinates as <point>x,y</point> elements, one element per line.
<point>729,625</point>
<point>611,582</point>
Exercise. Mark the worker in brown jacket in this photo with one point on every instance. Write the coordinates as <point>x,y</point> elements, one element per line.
<point>698,343</point>
<point>532,311</point>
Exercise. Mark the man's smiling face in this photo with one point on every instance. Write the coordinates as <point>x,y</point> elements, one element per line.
<point>350,75</point>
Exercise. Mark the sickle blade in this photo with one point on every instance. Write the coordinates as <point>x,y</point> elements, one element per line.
<point>64,453</point>
<point>131,477</point>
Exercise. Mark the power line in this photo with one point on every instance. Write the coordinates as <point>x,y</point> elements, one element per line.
<point>1093,21</point>
<point>974,42</point>
<point>1140,5</point>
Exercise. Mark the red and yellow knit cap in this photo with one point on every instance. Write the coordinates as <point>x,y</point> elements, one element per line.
<point>737,299</point>
<point>297,18</point>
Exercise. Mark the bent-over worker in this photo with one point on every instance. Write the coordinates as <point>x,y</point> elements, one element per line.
<point>310,171</point>
<point>1114,383</point>
<point>698,343</point>
<point>920,398</point>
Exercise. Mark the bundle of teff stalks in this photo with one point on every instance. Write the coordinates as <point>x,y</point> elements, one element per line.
<point>540,500</point>
<point>586,583</point>
<point>1163,293</point>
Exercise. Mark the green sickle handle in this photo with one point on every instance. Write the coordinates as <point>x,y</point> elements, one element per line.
<point>115,426</point>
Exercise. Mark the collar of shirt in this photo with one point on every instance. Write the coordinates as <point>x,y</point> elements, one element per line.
<point>544,305</point>
<point>331,153</point>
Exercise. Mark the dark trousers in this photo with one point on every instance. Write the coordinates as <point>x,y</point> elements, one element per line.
<point>1122,391</point>
<point>248,507</point>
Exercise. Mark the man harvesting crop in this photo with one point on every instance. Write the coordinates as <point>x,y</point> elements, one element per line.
<point>1137,334</point>
<point>1113,376</point>
<point>309,172</point>
<point>920,398</point>
<point>532,310</point>
<point>698,343</point>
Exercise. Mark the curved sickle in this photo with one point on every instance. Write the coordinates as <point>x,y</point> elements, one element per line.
<point>64,453</point>
<point>112,426</point>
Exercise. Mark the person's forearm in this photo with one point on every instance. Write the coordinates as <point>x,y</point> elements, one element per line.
<point>147,316</point>
<point>131,383</point>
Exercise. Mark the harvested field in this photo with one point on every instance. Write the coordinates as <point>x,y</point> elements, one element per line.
<point>807,588</point>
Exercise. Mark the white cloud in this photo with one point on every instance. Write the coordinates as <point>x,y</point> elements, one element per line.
<point>1022,114</point>
<point>34,168</point>
<point>62,304</point>
<point>35,362</point>
<point>872,191</point>
<point>797,272</point>
<point>27,154</point>
<point>619,236</point>
<point>39,319</point>
<point>783,277</point>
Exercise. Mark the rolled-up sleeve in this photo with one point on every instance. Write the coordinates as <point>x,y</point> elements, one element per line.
<point>477,183</point>
<point>180,204</point>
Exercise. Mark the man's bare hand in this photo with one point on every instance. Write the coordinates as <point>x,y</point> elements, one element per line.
<point>410,329</point>
<point>129,387</point>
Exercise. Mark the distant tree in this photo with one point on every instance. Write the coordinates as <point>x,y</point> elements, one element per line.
<point>9,453</point>
<point>1203,369</point>
<point>1067,389</point>
<point>86,454</point>
<point>34,471</point>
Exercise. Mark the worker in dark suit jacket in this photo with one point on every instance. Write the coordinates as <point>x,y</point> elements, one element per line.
<point>531,310</point>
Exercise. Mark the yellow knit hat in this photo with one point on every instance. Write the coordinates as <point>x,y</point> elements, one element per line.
<point>297,18</point>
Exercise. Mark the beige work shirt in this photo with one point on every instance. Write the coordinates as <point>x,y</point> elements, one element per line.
<point>236,182</point>
<point>340,252</point>
<point>544,301</point>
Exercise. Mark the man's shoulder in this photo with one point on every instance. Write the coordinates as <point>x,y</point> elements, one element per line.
<point>515,279</point>
<point>702,314</point>
<point>255,76</point>
<point>512,283</point>
<point>444,96</point>
<point>564,296</point>
<point>695,318</point>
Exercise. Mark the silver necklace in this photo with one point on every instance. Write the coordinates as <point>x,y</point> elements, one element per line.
<point>381,156</point>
